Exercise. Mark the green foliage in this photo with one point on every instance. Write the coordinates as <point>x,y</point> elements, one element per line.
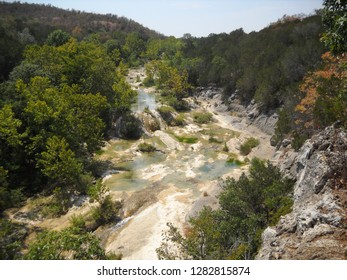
<point>233,160</point>
<point>264,65</point>
<point>202,117</point>
<point>124,96</point>
<point>167,113</point>
<point>11,240</point>
<point>248,206</point>
<point>97,191</point>
<point>10,47</point>
<point>248,145</point>
<point>186,139</point>
<point>173,82</point>
<point>146,148</point>
<point>78,222</point>
<point>201,241</point>
<point>107,211</point>
<point>179,120</point>
<point>130,127</point>
<point>69,243</point>
<point>59,163</point>
<point>57,38</point>
<point>284,125</point>
<point>335,24</point>
<point>298,140</point>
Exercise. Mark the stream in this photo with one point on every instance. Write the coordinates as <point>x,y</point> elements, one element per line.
<point>168,185</point>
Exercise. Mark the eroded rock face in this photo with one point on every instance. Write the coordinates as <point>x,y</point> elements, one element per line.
<point>317,227</point>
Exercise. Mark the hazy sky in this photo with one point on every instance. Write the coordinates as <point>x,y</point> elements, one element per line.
<point>198,17</point>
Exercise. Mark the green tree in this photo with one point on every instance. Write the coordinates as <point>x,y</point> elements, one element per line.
<point>57,38</point>
<point>247,206</point>
<point>335,23</point>
<point>11,240</point>
<point>69,243</point>
<point>10,148</point>
<point>59,163</point>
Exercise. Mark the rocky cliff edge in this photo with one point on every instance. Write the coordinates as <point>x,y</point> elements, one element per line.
<point>317,226</point>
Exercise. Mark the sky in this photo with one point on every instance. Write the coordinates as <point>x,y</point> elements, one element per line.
<point>197,17</point>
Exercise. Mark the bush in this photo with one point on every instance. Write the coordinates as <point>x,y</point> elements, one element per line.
<point>179,120</point>
<point>298,141</point>
<point>130,127</point>
<point>11,240</point>
<point>179,104</point>
<point>148,82</point>
<point>69,243</point>
<point>107,211</point>
<point>10,198</point>
<point>167,113</point>
<point>186,139</point>
<point>146,148</point>
<point>202,117</point>
<point>247,147</point>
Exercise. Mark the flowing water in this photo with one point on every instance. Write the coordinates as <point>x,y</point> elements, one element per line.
<point>177,176</point>
<point>144,100</point>
<point>183,168</point>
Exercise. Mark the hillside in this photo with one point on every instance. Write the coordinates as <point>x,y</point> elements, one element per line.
<point>42,19</point>
<point>22,24</point>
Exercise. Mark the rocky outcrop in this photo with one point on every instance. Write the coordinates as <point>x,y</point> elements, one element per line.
<point>150,122</point>
<point>317,226</point>
<point>265,122</point>
<point>251,113</point>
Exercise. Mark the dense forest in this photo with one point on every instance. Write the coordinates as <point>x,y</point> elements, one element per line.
<point>63,86</point>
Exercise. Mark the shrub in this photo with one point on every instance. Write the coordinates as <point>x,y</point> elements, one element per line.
<point>167,113</point>
<point>107,211</point>
<point>247,147</point>
<point>298,141</point>
<point>11,240</point>
<point>202,117</point>
<point>148,82</point>
<point>186,139</point>
<point>130,127</point>
<point>179,120</point>
<point>69,243</point>
<point>146,148</point>
<point>179,104</point>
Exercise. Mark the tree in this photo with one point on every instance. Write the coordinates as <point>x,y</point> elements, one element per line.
<point>70,243</point>
<point>335,23</point>
<point>324,95</point>
<point>59,163</point>
<point>57,38</point>
<point>247,206</point>
<point>10,147</point>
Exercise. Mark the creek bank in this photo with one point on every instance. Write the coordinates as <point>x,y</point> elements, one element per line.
<point>241,116</point>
